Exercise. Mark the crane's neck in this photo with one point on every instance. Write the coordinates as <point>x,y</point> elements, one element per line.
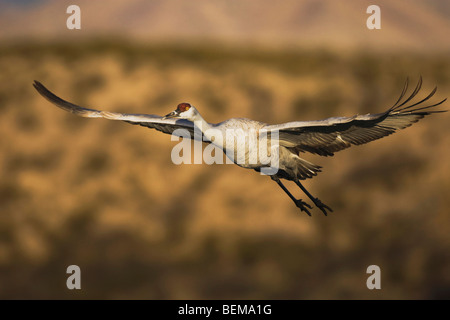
<point>209,132</point>
<point>202,125</point>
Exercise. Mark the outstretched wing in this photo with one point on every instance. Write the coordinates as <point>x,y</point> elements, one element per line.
<point>324,137</point>
<point>147,120</point>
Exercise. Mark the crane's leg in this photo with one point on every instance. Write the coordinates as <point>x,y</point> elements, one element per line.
<point>316,201</point>
<point>298,202</point>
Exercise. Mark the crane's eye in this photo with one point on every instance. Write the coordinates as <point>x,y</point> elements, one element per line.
<point>182,107</point>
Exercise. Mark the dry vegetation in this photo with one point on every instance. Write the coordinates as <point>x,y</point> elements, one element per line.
<point>105,195</point>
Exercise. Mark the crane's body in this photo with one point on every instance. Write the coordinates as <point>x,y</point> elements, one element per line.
<point>239,139</point>
<point>284,142</point>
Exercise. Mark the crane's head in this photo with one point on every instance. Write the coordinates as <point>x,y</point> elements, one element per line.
<point>184,111</point>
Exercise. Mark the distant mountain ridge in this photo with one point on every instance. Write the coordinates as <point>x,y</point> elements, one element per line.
<point>417,25</point>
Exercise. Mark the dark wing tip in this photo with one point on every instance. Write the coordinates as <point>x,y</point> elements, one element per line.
<point>417,107</point>
<point>42,89</point>
<point>63,104</point>
<point>37,84</point>
<point>405,88</point>
<point>47,94</point>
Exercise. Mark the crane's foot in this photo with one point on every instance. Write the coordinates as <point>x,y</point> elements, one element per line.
<point>302,205</point>
<point>323,207</point>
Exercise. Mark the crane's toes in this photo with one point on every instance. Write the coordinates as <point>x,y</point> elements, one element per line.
<point>323,207</point>
<point>302,205</point>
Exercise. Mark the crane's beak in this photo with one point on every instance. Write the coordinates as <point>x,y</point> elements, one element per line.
<point>173,114</point>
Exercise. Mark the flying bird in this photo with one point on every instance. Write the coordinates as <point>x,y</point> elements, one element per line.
<point>320,137</point>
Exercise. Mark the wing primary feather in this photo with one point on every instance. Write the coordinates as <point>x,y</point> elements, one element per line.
<point>63,104</point>
<point>417,103</point>
<point>427,107</point>
<point>413,94</point>
<point>405,88</point>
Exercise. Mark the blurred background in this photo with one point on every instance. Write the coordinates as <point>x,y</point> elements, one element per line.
<point>105,195</point>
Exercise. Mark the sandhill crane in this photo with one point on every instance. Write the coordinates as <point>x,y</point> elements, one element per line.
<point>322,137</point>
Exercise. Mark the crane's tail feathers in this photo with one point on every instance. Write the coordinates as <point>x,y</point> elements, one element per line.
<point>306,169</point>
